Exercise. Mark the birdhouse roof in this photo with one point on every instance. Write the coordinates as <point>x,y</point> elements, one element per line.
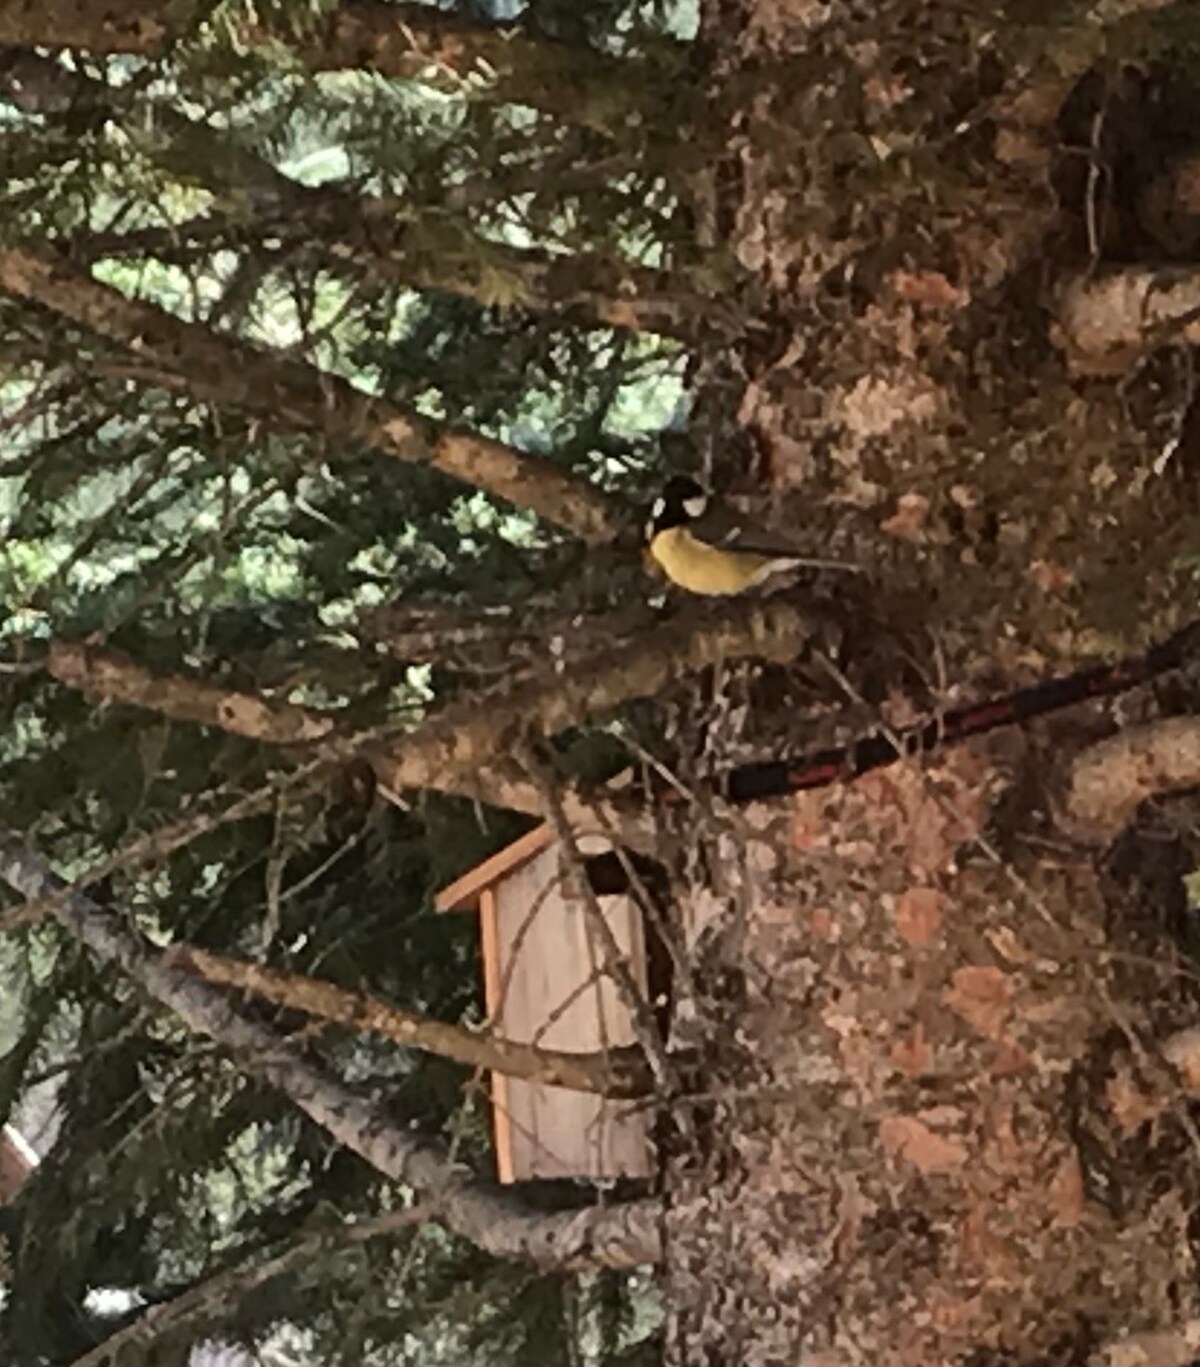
<point>463,893</point>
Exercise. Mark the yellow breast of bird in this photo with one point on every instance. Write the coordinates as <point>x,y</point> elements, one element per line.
<point>701,568</point>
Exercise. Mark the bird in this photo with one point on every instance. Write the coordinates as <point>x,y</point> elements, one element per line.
<point>705,547</point>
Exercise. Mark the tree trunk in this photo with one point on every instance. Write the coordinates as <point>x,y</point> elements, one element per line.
<point>947,1122</point>
<point>948,1128</point>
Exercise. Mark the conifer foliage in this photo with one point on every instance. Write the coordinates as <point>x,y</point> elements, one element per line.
<point>313,319</point>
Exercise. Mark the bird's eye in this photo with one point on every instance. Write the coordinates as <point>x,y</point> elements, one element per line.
<point>660,507</point>
<point>694,507</point>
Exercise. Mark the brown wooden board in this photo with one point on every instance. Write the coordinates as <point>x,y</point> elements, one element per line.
<point>17,1161</point>
<point>548,989</point>
<point>464,892</point>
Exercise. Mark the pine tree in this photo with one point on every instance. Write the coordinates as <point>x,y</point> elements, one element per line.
<point>341,349</point>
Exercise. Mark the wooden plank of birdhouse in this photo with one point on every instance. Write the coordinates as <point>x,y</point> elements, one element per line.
<point>530,908</point>
<point>490,947</point>
<point>17,1161</point>
<point>626,1129</point>
<point>463,893</point>
<point>556,997</point>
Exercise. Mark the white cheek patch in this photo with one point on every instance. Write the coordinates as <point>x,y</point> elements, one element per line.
<point>694,507</point>
<point>660,507</point>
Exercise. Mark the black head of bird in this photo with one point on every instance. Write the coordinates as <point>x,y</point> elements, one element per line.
<point>682,501</point>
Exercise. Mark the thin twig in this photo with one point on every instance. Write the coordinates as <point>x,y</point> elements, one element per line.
<point>641,1017</point>
<point>1093,182</point>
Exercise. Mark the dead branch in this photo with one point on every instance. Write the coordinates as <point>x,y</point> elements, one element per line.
<point>476,639</point>
<point>292,395</point>
<point>1105,322</point>
<point>116,679</point>
<point>109,676</point>
<point>463,748</point>
<point>623,1235</point>
<point>150,848</point>
<point>492,639</point>
<point>1109,780</point>
<point>220,1293</point>
<point>1161,1348</point>
<point>617,1073</point>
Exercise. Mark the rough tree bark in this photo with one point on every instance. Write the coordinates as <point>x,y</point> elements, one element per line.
<point>954,1122</point>
<point>946,1126</point>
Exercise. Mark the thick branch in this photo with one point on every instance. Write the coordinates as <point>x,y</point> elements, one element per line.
<point>465,748</point>
<point>493,1219</point>
<point>384,236</point>
<point>110,676</point>
<point>1108,781</point>
<point>617,1073</point>
<point>294,396</point>
<point>414,42</point>
<point>466,735</point>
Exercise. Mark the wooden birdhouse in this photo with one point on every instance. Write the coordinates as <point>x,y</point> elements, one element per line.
<point>544,984</point>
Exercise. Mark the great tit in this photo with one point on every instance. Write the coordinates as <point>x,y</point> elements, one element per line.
<point>705,547</point>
